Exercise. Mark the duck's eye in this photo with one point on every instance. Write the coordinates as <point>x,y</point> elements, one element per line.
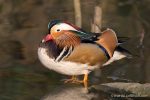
<point>58,30</point>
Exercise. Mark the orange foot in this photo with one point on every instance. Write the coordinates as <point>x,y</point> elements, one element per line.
<point>74,79</point>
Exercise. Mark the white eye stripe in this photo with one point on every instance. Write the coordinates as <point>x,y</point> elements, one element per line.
<point>64,26</point>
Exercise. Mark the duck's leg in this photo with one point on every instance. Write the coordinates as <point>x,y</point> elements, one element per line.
<point>85,81</point>
<point>73,79</point>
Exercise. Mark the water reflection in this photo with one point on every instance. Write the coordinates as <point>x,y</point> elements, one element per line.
<point>23,83</point>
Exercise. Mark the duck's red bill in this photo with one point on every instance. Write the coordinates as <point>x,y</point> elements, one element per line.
<point>48,38</point>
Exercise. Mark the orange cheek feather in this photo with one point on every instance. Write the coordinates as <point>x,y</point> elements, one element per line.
<point>56,34</point>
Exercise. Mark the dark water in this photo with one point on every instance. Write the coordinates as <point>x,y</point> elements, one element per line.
<point>24,83</point>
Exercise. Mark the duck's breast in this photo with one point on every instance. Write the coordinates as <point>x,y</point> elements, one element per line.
<point>64,67</point>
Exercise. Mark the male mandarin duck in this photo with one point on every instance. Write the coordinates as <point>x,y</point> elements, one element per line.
<point>69,50</point>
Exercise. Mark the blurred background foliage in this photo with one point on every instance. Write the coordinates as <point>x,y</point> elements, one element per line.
<point>23,23</point>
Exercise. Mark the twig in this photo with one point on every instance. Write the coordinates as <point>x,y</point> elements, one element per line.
<point>142,34</point>
<point>97,20</point>
<point>78,17</point>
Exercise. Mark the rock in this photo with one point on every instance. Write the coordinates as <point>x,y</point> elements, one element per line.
<point>69,93</point>
<point>100,92</point>
<point>120,89</point>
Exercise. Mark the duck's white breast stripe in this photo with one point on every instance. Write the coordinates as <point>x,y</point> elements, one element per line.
<point>69,52</point>
<point>61,54</point>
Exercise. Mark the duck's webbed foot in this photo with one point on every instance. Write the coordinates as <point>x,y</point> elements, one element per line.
<point>73,79</point>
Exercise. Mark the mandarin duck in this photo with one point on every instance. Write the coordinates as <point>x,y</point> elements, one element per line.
<point>69,50</point>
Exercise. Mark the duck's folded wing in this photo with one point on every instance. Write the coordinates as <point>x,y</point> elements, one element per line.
<point>86,36</point>
<point>91,36</point>
<point>87,53</point>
